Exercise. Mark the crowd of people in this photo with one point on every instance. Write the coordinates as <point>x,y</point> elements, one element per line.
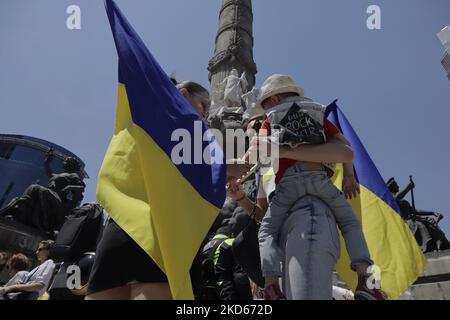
<point>276,237</point>
<point>26,284</point>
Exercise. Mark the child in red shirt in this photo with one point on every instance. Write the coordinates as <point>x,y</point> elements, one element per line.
<point>291,120</point>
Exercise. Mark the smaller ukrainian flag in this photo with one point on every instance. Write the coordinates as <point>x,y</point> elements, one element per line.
<point>391,244</point>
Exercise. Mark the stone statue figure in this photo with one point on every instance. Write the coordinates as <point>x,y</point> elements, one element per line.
<point>423,224</point>
<point>250,99</point>
<point>45,208</point>
<point>234,87</point>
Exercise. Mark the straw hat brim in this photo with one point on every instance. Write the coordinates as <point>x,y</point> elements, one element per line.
<point>273,92</point>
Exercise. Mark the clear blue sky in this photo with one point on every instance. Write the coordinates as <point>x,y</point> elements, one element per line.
<point>60,85</point>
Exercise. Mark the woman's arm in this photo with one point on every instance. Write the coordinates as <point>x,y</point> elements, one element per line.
<point>237,193</point>
<point>350,185</point>
<point>27,287</point>
<point>260,210</point>
<point>347,166</point>
<point>333,151</point>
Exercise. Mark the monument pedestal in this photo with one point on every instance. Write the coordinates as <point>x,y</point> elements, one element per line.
<point>434,284</point>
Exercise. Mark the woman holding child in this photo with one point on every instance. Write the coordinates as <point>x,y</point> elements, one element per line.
<point>298,238</point>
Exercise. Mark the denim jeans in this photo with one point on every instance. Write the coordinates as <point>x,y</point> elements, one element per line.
<point>324,198</point>
<point>311,249</point>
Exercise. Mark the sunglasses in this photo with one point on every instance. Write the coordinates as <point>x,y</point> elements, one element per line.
<point>40,249</point>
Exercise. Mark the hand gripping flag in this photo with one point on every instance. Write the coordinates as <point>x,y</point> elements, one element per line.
<point>392,246</point>
<point>166,208</point>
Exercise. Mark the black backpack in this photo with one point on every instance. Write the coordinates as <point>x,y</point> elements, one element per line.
<point>79,233</point>
<point>210,289</point>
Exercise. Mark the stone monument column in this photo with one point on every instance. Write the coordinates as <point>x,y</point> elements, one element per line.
<point>232,64</point>
<point>234,46</point>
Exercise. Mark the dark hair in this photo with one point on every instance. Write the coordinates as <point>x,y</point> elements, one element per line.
<point>46,244</point>
<point>192,87</point>
<point>18,262</point>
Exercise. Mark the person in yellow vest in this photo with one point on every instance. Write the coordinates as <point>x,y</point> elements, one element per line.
<point>224,279</point>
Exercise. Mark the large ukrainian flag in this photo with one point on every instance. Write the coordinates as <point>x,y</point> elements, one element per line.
<point>166,208</point>
<point>391,243</point>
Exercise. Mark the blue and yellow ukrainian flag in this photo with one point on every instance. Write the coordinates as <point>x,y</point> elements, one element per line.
<point>391,243</point>
<point>166,208</point>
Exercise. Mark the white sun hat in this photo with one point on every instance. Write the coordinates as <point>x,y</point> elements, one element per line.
<point>277,84</point>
